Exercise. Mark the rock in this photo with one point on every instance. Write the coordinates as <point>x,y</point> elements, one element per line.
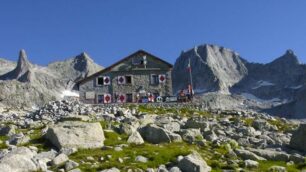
<point>172,126</point>
<point>249,131</point>
<point>174,169</point>
<point>68,151</point>
<point>191,135</point>
<point>127,128</point>
<point>46,156</point>
<point>197,123</point>
<point>19,160</point>
<point>75,134</point>
<point>154,134</point>
<point>75,170</point>
<point>7,130</point>
<point>162,168</point>
<point>111,170</point>
<point>296,158</point>
<point>18,139</point>
<point>271,154</point>
<point>262,125</point>
<point>118,149</point>
<point>141,159</point>
<point>71,165</point>
<point>277,169</point>
<point>251,164</point>
<point>59,160</point>
<point>135,138</point>
<point>193,163</point>
<point>174,137</point>
<point>298,139</point>
<point>245,154</point>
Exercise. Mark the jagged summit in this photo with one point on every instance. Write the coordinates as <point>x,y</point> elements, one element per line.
<point>76,67</point>
<point>22,70</point>
<point>289,59</point>
<point>214,68</point>
<point>23,65</point>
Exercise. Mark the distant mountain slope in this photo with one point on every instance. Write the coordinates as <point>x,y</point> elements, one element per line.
<point>6,66</point>
<point>273,87</point>
<point>28,84</point>
<point>76,67</point>
<point>214,68</point>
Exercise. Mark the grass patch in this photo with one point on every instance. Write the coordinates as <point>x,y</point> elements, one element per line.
<point>37,140</point>
<point>248,121</point>
<point>282,126</point>
<point>265,165</point>
<point>3,139</point>
<point>156,154</point>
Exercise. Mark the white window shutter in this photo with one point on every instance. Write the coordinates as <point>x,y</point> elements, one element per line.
<point>107,98</point>
<point>121,79</point>
<point>106,80</point>
<point>162,78</point>
<point>121,98</point>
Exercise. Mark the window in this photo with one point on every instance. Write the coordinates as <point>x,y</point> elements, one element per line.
<point>100,81</point>
<point>128,79</point>
<point>154,79</point>
<point>100,98</point>
<point>129,97</point>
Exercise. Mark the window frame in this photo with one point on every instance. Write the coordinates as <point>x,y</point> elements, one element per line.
<point>97,81</point>
<point>156,82</point>
<point>131,76</point>
<point>126,95</point>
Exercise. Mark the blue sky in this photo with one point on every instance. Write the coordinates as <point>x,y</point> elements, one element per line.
<point>108,30</point>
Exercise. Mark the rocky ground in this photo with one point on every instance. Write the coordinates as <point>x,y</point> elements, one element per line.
<point>69,136</point>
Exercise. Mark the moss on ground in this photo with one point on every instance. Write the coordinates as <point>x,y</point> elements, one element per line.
<point>156,154</point>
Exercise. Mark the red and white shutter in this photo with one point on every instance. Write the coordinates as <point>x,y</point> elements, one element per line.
<point>162,78</point>
<point>107,98</point>
<point>121,79</point>
<point>121,98</point>
<point>106,80</point>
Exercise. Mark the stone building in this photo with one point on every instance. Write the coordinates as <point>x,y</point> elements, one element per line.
<point>139,77</point>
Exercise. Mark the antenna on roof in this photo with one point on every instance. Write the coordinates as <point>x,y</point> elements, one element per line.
<point>145,61</point>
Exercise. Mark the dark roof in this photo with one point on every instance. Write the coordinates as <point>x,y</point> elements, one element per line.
<point>118,62</point>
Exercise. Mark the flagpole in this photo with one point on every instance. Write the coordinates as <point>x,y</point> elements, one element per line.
<point>191,84</point>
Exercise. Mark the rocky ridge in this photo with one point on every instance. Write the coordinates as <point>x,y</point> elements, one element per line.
<point>276,87</point>
<point>30,85</point>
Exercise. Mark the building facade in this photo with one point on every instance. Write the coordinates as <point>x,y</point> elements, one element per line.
<point>139,77</point>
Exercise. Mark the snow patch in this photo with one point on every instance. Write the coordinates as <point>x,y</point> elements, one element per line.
<point>262,83</point>
<point>253,97</point>
<point>296,87</point>
<point>69,93</point>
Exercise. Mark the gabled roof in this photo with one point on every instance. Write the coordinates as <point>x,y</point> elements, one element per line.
<point>120,61</point>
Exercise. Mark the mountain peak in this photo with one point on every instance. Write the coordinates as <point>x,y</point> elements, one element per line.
<point>23,64</point>
<point>288,59</point>
<point>22,70</point>
<point>289,52</point>
<point>83,56</point>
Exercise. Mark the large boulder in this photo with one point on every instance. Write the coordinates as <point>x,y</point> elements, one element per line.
<point>271,154</point>
<point>76,134</point>
<point>245,155</point>
<point>154,134</point>
<point>193,163</point>
<point>298,139</point>
<point>135,138</point>
<point>19,160</point>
